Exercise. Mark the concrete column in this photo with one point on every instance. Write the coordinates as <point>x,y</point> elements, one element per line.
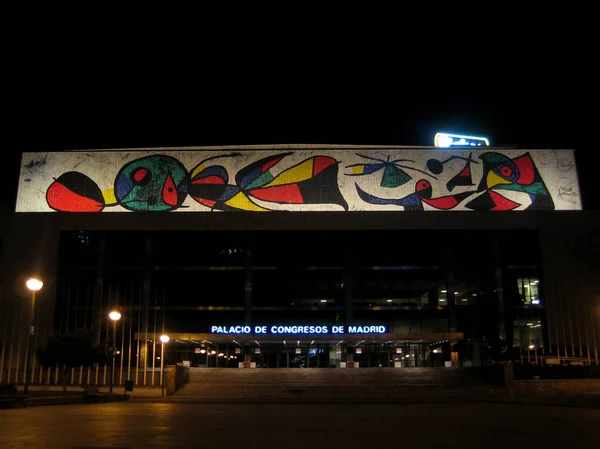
<point>348,289</point>
<point>98,294</point>
<point>450,298</point>
<point>499,291</point>
<point>248,282</point>
<point>146,307</point>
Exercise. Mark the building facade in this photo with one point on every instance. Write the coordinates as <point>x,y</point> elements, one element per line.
<point>305,256</point>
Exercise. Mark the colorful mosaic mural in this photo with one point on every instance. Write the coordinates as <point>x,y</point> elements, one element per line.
<point>300,180</point>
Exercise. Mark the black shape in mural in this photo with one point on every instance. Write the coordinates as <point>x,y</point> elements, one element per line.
<point>393,176</point>
<point>312,181</point>
<point>519,174</point>
<point>161,183</point>
<point>209,185</point>
<point>436,166</point>
<point>75,192</point>
<point>462,178</point>
<point>414,202</point>
<point>151,184</point>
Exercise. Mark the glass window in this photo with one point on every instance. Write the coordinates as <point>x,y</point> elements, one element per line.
<point>78,249</point>
<point>528,335</point>
<point>529,290</point>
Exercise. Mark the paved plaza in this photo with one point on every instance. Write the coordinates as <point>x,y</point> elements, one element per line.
<point>218,426</point>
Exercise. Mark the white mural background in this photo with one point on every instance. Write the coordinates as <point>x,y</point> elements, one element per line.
<point>556,168</point>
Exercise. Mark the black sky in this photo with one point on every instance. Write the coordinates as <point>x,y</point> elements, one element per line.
<point>71,94</point>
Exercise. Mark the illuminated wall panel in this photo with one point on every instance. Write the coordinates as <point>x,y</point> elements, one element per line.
<point>300,180</point>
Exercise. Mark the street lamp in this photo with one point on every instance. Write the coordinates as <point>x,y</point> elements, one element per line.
<point>34,285</point>
<point>163,339</point>
<point>534,348</point>
<point>114,316</point>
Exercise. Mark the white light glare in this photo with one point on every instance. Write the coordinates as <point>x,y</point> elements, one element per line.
<point>446,140</point>
<point>34,284</point>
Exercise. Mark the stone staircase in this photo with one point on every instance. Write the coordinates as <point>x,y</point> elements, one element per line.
<point>384,384</point>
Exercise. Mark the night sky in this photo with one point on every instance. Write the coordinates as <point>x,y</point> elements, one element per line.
<point>71,99</point>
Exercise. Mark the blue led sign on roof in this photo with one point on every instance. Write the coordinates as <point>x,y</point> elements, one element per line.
<point>445,140</point>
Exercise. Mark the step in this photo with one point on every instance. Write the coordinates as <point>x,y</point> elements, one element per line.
<point>311,391</point>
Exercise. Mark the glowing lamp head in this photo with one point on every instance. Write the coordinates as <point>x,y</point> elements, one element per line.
<point>164,338</point>
<point>114,315</point>
<point>34,284</point>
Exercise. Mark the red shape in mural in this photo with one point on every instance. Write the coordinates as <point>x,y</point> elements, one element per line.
<point>501,202</point>
<point>169,192</point>
<point>526,171</point>
<point>75,192</point>
<point>209,180</point>
<point>321,163</point>
<point>281,194</point>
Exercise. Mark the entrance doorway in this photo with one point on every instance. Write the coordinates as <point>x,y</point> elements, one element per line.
<point>312,354</point>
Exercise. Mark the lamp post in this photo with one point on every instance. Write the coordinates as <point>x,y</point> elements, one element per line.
<point>114,316</point>
<point>535,352</point>
<point>34,285</point>
<point>163,339</point>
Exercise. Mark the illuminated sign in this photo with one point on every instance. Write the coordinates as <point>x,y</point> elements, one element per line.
<point>295,330</point>
<point>445,140</point>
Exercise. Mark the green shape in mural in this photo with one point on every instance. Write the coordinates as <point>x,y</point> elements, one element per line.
<point>394,177</point>
<point>152,184</point>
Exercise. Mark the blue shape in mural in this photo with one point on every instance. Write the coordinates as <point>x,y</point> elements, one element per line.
<point>393,175</point>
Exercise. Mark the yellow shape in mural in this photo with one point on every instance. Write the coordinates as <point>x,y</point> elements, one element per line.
<point>240,201</point>
<point>493,180</point>
<point>197,170</point>
<point>109,196</point>
<point>300,172</point>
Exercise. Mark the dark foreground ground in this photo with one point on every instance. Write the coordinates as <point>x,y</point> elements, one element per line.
<point>223,426</point>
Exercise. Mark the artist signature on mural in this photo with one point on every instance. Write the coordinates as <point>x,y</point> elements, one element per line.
<point>566,191</point>
<point>565,165</point>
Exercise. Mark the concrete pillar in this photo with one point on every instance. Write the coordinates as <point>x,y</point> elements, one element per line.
<point>98,294</point>
<point>146,308</point>
<point>450,297</point>
<point>248,282</point>
<point>499,290</point>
